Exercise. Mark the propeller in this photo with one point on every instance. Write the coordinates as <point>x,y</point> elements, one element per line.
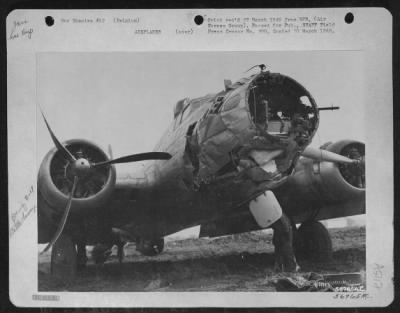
<point>67,155</point>
<point>135,158</point>
<point>351,166</point>
<point>61,225</point>
<point>325,155</point>
<point>81,169</point>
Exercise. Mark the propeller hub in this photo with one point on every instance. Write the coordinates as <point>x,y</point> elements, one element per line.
<point>80,167</point>
<point>354,173</point>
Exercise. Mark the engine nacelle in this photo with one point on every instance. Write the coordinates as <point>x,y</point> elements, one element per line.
<point>315,185</point>
<point>341,182</point>
<point>55,182</point>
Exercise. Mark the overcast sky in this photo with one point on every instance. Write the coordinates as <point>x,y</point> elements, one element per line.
<point>127,99</point>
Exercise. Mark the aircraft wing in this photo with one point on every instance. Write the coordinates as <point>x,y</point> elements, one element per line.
<point>317,190</point>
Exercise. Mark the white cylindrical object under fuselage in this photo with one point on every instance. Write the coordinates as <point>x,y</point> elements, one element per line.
<point>265,209</point>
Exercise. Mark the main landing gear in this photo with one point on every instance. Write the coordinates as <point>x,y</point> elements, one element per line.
<point>312,242</point>
<point>68,256</point>
<point>102,251</point>
<point>64,259</point>
<point>285,260</point>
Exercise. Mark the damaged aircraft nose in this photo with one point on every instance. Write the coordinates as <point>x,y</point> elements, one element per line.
<point>285,117</point>
<point>281,106</point>
<point>263,121</point>
<point>266,159</point>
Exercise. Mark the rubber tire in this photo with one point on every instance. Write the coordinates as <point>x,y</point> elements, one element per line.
<point>63,260</point>
<point>312,242</point>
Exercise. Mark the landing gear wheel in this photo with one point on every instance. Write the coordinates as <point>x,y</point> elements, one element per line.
<point>63,259</point>
<point>313,243</point>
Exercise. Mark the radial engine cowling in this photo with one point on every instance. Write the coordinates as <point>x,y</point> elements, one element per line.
<point>321,183</point>
<point>55,178</point>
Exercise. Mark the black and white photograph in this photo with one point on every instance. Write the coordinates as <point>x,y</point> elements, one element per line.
<point>200,158</point>
<point>226,171</point>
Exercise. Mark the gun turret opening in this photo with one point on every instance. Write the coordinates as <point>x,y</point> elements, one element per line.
<point>280,105</point>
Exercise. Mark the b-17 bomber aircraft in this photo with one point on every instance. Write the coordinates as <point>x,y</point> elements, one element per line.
<point>232,162</point>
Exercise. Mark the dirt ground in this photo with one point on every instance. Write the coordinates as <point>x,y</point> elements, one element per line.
<point>233,263</point>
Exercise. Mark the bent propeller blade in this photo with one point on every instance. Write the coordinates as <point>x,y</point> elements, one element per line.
<point>135,158</point>
<point>68,155</point>
<point>325,155</point>
<point>61,225</point>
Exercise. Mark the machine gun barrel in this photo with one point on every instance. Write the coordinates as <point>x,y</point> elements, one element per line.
<point>328,108</point>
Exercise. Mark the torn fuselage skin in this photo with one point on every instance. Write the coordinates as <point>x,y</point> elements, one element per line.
<point>249,140</point>
<point>243,159</point>
<point>225,154</point>
<point>227,150</point>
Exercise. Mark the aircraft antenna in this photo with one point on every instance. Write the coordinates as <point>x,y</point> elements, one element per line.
<point>261,66</point>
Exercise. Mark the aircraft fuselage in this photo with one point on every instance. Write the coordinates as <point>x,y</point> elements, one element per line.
<point>213,172</point>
